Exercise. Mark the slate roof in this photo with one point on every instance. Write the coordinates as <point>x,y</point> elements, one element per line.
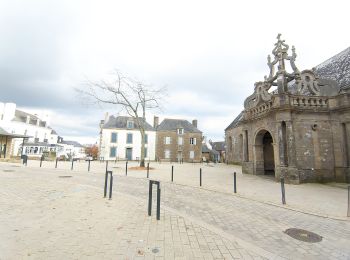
<point>74,143</point>
<point>40,144</point>
<point>336,68</point>
<point>235,121</point>
<point>3,132</point>
<point>218,146</point>
<point>121,121</point>
<point>174,124</point>
<point>205,148</point>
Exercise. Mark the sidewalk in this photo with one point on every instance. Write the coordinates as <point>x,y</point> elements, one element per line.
<point>320,199</point>
<point>45,216</point>
<point>60,214</point>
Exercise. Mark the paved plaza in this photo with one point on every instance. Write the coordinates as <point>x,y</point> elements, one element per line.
<point>49,213</point>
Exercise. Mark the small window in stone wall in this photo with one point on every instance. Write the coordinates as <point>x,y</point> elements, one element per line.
<point>167,154</point>
<point>193,141</point>
<point>191,154</point>
<point>180,131</point>
<point>167,140</point>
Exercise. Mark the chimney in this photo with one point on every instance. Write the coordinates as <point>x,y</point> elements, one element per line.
<point>155,121</point>
<point>106,117</point>
<point>27,119</point>
<point>194,123</point>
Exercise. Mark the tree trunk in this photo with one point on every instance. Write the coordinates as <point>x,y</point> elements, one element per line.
<point>142,160</point>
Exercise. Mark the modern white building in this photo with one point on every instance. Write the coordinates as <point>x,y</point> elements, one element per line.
<point>120,139</point>
<point>42,139</point>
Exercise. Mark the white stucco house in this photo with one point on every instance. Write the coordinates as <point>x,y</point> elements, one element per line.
<point>120,139</point>
<point>72,149</point>
<point>41,138</point>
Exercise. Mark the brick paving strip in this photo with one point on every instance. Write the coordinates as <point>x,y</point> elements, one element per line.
<point>248,224</point>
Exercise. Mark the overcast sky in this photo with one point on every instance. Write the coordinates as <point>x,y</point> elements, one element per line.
<point>207,53</point>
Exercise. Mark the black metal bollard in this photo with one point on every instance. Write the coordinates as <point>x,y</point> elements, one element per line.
<point>234,182</point>
<point>172,173</point>
<point>41,160</point>
<point>126,168</point>
<point>110,186</point>
<point>200,177</point>
<point>56,163</point>
<point>89,165</point>
<point>72,164</point>
<point>283,191</point>
<point>150,198</point>
<point>348,201</point>
<point>147,170</point>
<point>151,182</point>
<point>158,203</point>
<point>106,165</point>
<point>105,189</point>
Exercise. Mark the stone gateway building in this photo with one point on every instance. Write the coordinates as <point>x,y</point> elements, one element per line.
<point>296,124</point>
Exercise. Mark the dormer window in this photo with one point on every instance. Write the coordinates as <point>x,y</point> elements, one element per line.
<point>130,124</point>
<point>180,131</point>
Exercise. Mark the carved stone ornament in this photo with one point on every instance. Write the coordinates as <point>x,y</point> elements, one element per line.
<point>307,84</point>
<point>261,95</point>
<point>306,81</point>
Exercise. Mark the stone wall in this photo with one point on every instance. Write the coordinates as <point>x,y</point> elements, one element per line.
<point>311,138</point>
<point>175,148</point>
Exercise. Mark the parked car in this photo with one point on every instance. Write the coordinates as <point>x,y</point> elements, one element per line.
<point>89,158</point>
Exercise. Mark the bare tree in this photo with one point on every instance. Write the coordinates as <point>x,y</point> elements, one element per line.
<point>130,95</point>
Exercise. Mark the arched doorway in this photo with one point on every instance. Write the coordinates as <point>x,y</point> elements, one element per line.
<point>264,154</point>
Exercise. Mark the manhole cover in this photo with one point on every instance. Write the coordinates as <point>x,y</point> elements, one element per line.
<point>65,176</point>
<point>303,235</point>
<point>155,250</point>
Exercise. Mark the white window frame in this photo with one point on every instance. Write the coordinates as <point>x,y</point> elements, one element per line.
<point>129,122</point>
<point>191,154</point>
<point>193,140</point>
<point>167,154</point>
<point>167,140</point>
<point>180,140</point>
<point>180,131</point>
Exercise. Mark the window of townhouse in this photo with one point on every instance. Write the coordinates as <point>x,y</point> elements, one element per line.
<point>180,131</point>
<point>114,137</point>
<point>112,151</point>
<point>191,154</point>
<point>130,124</point>
<point>129,138</point>
<point>167,154</point>
<point>180,140</point>
<point>193,141</point>
<point>146,139</point>
<point>167,140</point>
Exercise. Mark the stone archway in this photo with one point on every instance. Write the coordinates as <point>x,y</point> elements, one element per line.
<point>264,153</point>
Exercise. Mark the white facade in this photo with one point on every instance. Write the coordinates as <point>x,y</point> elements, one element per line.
<point>123,148</point>
<point>18,122</point>
<point>42,138</point>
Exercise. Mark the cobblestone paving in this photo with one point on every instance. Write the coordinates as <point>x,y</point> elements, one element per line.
<point>44,216</point>
<point>254,229</point>
<point>254,222</point>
